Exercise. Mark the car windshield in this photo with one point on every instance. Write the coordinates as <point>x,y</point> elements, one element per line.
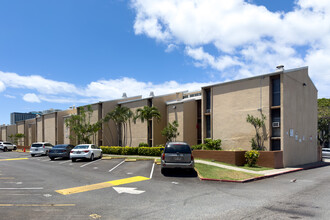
<point>60,146</point>
<point>36,145</point>
<point>81,147</point>
<point>178,148</point>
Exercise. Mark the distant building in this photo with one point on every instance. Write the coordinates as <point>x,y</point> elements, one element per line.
<point>18,116</point>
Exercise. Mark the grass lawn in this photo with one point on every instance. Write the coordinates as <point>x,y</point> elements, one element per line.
<point>256,168</point>
<point>213,172</point>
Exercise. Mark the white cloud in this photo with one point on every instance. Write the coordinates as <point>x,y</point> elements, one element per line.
<point>170,48</point>
<point>9,96</point>
<point>31,97</point>
<point>2,86</point>
<point>247,37</point>
<point>38,83</point>
<point>95,91</point>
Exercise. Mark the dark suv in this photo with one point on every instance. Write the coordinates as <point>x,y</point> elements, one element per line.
<point>177,155</point>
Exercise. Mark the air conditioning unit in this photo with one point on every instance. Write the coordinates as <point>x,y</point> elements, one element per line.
<point>276,124</point>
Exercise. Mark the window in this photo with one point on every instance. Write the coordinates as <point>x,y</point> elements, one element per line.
<point>208,126</point>
<point>276,117</point>
<point>208,99</point>
<point>276,92</point>
<point>276,145</point>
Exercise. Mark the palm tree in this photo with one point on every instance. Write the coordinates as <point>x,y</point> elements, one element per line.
<point>120,116</point>
<point>147,113</point>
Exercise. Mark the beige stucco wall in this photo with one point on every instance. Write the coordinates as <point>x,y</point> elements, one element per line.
<point>139,129</point>
<point>176,114</point>
<point>158,125</point>
<point>299,111</point>
<point>21,129</point>
<point>50,128</point>
<point>11,130</point>
<point>40,129</point>
<point>30,129</point>
<point>231,103</point>
<point>3,133</point>
<point>61,136</point>
<point>185,113</point>
<point>190,122</point>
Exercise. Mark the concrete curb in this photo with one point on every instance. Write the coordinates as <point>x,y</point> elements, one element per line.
<point>262,177</point>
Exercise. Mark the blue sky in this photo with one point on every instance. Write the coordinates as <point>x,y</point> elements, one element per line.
<point>55,54</point>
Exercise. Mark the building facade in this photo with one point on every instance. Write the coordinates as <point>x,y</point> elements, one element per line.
<point>287,99</point>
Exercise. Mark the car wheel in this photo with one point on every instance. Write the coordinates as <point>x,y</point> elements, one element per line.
<point>15,148</point>
<point>52,158</point>
<point>73,160</point>
<point>92,157</point>
<point>163,171</point>
<point>32,155</point>
<point>5,149</point>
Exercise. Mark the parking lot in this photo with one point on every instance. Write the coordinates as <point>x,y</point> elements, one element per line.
<point>38,188</point>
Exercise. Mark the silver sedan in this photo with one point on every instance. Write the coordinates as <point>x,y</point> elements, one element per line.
<point>85,151</point>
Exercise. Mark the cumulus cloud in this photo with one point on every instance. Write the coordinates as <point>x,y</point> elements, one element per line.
<point>101,90</point>
<point>37,82</point>
<point>2,86</point>
<point>249,38</point>
<point>31,97</point>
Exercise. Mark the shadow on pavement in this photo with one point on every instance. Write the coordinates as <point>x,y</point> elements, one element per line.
<point>185,173</point>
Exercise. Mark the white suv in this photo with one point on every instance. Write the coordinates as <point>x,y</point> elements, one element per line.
<point>5,146</point>
<point>40,148</point>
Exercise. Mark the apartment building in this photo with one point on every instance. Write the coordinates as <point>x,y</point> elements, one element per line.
<point>287,98</point>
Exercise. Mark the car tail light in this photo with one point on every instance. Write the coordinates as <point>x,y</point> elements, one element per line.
<point>86,151</point>
<point>192,157</point>
<point>63,150</point>
<point>71,151</point>
<point>163,156</point>
<point>44,146</point>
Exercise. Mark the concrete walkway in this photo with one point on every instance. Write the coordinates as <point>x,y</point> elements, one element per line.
<point>265,172</point>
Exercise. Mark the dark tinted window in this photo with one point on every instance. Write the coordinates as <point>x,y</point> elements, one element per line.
<point>276,92</point>
<point>178,148</point>
<point>36,145</point>
<point>60,146</point>
<point>81,147</point>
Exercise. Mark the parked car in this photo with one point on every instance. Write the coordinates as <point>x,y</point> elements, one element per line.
<point>177,155</point>
<point>326,152</point>
<point>60,150</point>
<point>85,151</point>
<point>5,146</point>
<point>40,148</point>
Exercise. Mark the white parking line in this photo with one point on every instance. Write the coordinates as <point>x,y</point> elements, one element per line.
<point>117,166</point>
<point>152,170</point>
<point>22,188</point>
<point>65,162</point>
<point>89,163</point>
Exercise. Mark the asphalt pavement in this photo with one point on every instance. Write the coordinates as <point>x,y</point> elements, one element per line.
<point>38,188</point>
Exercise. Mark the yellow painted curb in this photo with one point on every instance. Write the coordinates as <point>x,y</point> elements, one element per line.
<point>14,159</point>
<point>86,188</point>
<point>107,158</point>
<point>130,160</point>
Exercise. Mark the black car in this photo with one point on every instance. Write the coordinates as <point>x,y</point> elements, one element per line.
<point>61,150</point>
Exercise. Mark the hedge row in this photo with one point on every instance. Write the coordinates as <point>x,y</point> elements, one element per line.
<point>143,151</point>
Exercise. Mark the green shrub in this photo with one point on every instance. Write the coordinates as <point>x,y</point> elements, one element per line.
<point>143,151</point>
<point>251,157</point>
<point>142,144</point>
<point>254,145</point>
<point>197,147</point>
<point>210,144</point>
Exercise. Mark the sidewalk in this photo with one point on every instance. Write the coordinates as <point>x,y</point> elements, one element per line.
<point>267,172</point>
